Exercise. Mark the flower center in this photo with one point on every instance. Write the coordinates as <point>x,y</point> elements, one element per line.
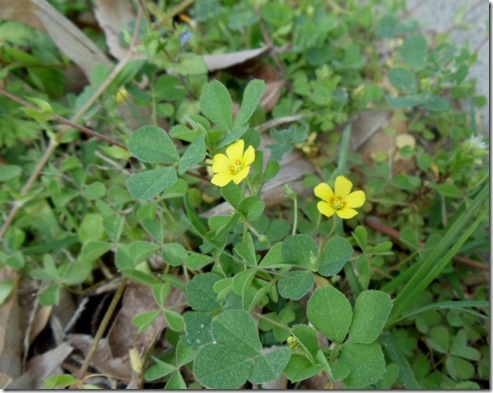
<point>235,167</point>
<point>337,203</point>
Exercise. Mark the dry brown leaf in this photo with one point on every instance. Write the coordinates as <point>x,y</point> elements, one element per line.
<point>10,333</point>
<point>365,125</point>
<point>371,138</point>
<point>66,36</point>
<point>113,16</point>
<point>138,299</point>
<point>40,367</point>
<point>226,60</point>
<point>103,360</point>
<point>40,321</point>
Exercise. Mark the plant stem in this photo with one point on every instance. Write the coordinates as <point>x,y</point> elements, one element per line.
<point>62,120</point>
<point>100,332</point>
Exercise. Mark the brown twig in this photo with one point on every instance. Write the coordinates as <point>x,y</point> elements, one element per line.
<point>99,334</point>
<point>375,224</point>
<point>62,120</point>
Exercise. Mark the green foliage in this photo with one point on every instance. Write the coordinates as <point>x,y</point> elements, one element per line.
<point>265,288</point>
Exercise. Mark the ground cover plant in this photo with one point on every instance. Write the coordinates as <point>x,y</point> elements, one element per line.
<point>220,194</point>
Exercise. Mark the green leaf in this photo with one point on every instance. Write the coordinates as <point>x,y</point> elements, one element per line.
<point>158,370</point>
<point>113,226</point>
<point>161,292</point>
<point>149,184</point>
<point>366,363</point>
<point>360,235</point>
<point>152,144</point>
<point>334,256</point>
<point>389,377</point>
<point>273,258</point>
<point>218,366</point>
<point>402,80</point>
<point>330,312</point>
<point>91,228</point>
<point>93,250</point>
<point>459,369</point>
<point>176,382</point>
<point>237,329</point>
<point>61,380</point>
<point>251,207</point>
<point>414,51</point>
<point>246,251</point>
<point>371,310</point>
<point>183,354</point>
<point>197,261</point>
<point>194,154</point>
<point>198,328</point>
<point>269,366</point>
<point>182,132</point>
<point>307,339</point>
<point>299,250</point>
<point>232,193</point>
<point>144,320</point>
<point>216,104</point>
<point>227,362</point>
<point>170,88</point>
<point>439,339</point>
<point>300,368</point>
<point>461,349</point>
<point>450,190</point>
<point>406,102</point>
<point>130,255</point>
<point>435,103</point>
<point>278,14</point>
<point>175,320</point>
<point>174,254</point>
<point>95,190</point>
<point>241,281</point>
<point>43,113</point>
<point>50,295</point>
<point>6,288</point>
<point>200,295</point>
<point>295,284</point>
<point>9,172</point>
<point>251,98</point>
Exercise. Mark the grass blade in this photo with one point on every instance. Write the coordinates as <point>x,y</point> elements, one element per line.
<point>406,373</point>
<point>437,260</point>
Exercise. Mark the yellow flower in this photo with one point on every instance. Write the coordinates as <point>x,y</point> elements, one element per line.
<point>341,201</point>
<point>234,165</point>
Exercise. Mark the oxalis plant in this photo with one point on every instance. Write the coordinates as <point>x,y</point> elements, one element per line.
<point>250,294</point>
<point>235,281</point>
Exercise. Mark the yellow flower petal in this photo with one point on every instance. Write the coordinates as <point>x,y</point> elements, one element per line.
<point>325,209</point>
<point>249,156</point>
<point>235,150</point>
<point>221,179</point>
<point>220,163</point>
<point>343,186</point>
<point>324,192</point>
<point>241,175</point>
<point>355,199</point>
<point>346,213</point>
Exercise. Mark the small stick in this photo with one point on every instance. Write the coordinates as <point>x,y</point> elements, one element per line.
<point>375,224</point>
<point>67,122</point>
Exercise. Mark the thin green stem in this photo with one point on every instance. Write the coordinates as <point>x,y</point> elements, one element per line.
<point>295,215</point>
